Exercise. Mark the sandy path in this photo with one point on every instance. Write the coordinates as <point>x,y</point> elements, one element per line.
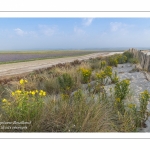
<point>25,67</point>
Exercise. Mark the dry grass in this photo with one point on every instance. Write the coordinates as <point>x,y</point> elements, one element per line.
<point>78,116</point>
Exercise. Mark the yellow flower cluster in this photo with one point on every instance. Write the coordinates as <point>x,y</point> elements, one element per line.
<point>24,104</point>
<point>23,92</point>
<point>145,92</point>
<point>108,71</point>
<point>118,99</point>
<point>23,81</point>
<point>101,75</point>
<point>17,92</point>
<point>122,89</point>
<point>116,79</point>
<point>126,81</point>
<point>103,62</point>
<point>131,105</point>
<point>113,61</point>
<point>121,58</point>
<point>145,95</point>
<point>64,96</point>
<point>5,101</point>
<point>86,72</point>
<point>42,93</point>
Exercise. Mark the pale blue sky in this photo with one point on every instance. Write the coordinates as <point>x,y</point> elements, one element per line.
<point>74,33</point>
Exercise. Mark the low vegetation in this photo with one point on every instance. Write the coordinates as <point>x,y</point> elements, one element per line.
<point>72,98</point>
<point>21,56</point>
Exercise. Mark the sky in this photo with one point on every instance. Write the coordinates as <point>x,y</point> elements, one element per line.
<point>73,33</point>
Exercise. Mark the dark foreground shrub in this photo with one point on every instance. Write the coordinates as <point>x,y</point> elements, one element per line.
<point>66,83</point>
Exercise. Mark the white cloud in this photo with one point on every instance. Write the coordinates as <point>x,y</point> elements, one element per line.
<point>20,32</point>
<point>79,31</point>
<point>46,30</point>
<point>115,26</point>
<point>118,26</point>
<point>87,21</point>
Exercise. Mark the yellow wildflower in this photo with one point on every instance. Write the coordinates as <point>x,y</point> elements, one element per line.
<point>127,81</point>
<point>13,93</point>
<point>23,81</point>
<point>44,93</point>
<point>101,75</point>
<point>68,87</point>
<point>4,100</point>
<point>33,93</point>
<point>118,99</point>
<point>103,63</point>
<point>131,105</point>
<point>18,92</point>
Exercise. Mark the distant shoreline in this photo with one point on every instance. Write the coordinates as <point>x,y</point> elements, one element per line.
<point>76,49</point>
<point>47,51</point>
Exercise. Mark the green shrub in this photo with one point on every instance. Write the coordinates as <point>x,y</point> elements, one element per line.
<point>66,83</point>
<point>103,64</point>
<point>113,61</point>
<point>133,111</point>
<point>133,60</point>
<point>108,71</point>
<point>144,98</point>
<point>128,54</point>
<point>95,64</point>
<point>101,77</point>
<point>121,59</point>
<point>121,91</point>
<point>78,96</point>
<point>51,85</point>
<point>114,78</point>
